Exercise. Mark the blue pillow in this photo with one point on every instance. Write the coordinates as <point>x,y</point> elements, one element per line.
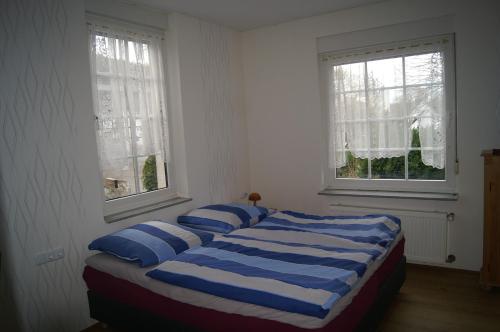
<point>150,243</point>
<point>223,218</point>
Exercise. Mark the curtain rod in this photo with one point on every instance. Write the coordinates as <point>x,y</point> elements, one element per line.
<point>90,15</point>
<point>388,47</point>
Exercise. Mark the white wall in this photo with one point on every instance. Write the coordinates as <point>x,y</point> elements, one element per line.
<point>282,100</point>
<point>49,178</point>
<point>209,93</point>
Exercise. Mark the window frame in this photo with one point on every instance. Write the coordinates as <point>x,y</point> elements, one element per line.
<point>329,178</point>
<point>140,200</point>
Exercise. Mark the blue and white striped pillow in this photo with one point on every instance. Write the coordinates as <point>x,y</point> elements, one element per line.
<point>150,243</point>
<point>223,218</point>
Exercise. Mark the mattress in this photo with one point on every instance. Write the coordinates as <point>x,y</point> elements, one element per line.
<point>111,267</point>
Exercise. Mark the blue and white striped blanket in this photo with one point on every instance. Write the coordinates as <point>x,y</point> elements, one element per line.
<point>290,261</point>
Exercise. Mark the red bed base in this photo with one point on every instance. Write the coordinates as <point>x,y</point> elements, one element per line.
<point>124,292</point>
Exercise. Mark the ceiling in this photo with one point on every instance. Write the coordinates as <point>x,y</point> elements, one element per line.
<point>250,14</point>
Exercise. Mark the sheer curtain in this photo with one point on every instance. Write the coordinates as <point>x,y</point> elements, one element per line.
<point>128,91</point>
<point>379,97</point>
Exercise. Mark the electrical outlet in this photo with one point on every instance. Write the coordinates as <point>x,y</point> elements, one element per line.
<point>49,256</point>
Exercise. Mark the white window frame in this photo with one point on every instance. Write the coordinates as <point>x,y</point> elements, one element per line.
<point>448,185</point>
<point>153,198</point>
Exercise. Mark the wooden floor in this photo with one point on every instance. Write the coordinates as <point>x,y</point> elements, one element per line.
<point>435,299</point>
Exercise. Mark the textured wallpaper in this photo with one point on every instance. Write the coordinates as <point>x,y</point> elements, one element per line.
<point>49,177</point>
<point>41,175</point>
<point>220,114</point>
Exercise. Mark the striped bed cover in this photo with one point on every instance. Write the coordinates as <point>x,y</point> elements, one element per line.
<point>290,261</point>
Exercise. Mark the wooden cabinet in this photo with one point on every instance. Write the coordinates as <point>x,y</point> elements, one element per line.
<point>490,272</point>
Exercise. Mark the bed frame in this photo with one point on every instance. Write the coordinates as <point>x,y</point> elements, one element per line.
<point>128,318</point>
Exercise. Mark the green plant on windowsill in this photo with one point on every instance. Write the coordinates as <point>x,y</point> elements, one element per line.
<point>149,178</point>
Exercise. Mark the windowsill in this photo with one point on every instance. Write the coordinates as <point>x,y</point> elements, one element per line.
<point>390,194</point>
<point>145,209</point>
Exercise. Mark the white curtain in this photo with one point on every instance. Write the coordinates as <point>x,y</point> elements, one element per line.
<point>127,80</point>
<point>377,101</point>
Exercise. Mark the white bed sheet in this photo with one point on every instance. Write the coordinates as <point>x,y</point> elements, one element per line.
<point>137,275</point>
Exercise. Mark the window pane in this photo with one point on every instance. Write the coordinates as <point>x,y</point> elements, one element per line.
<point>103,82</point>
<point>386,110</point>
<point>357,138</point>
<point>119,179</point>
<point>348,136</point>
<point>350,106</point>
<point>102,63</point>
<point>417,170</point>
<point>425,101</point>
<point>354,167</point>
<point>389,168</point>
<point>427,123</point>
<point>350,77</point>
<point>152,173</point>
<point>105,101</point>
<point>385,73</point>
<point>424,68</point>
<point>131,127</point>
<point>386,103</point>
<point>387,135</point>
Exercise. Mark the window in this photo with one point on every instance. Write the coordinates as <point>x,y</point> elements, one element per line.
<point>129,104</point>
<point>390,116</point>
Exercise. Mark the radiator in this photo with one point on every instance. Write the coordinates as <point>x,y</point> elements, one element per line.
<point>426,232</point>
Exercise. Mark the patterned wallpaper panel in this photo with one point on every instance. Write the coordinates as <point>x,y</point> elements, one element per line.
<point>221,113</point>
<point>45,122</point>
<point>49,177</point>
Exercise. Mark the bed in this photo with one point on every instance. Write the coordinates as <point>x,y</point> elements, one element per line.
<point>337,274</point>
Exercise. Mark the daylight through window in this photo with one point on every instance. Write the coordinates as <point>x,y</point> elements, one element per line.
<point>388,112</point>
<point>129,103</point>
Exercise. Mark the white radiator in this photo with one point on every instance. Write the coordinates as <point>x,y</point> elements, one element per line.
<point>426,232</point>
